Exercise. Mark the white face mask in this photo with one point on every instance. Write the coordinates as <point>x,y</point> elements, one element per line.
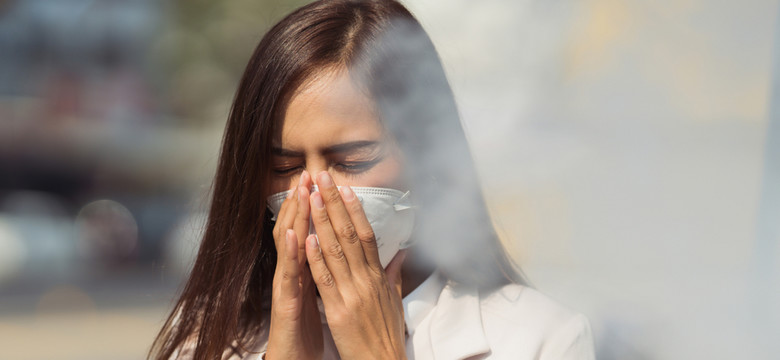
<point>389,212</point>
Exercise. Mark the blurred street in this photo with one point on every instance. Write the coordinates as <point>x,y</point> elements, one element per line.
<point>114,316</point>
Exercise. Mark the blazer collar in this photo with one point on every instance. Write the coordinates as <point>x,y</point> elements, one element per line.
<point>456,324</point>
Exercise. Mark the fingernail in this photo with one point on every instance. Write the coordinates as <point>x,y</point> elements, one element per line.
<point>346,193</point>
<point>300,192</point>
<point>290,193</point>
<point>324,180</point>
<point>288,234</point>
<point>317,199</point>
<point>312,239</point>
<point>300,180</point>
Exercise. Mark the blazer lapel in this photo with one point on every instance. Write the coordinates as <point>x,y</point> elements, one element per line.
<point>456,324</point>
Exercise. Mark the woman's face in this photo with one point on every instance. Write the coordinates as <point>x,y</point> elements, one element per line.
<point>330,125</point>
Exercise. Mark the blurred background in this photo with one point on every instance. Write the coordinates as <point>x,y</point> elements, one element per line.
<point>629,150</point>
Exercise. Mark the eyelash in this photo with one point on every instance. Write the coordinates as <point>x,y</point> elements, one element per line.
<point>356,167</point>
<point>352,168</point>
<point>286,171</point>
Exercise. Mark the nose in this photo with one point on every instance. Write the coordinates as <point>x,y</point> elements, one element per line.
<point>313,171</point>
<point>314,166</point>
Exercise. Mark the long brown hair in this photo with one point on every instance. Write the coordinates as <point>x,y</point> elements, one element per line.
<point>226,300</point>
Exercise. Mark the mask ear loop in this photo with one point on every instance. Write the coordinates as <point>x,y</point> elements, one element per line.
<point>404,203</point>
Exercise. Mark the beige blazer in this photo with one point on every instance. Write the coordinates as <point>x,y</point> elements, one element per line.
<point>513,322</point>
<point>449,322</point>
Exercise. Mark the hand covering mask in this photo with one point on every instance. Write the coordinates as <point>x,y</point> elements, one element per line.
<point>389,211</point>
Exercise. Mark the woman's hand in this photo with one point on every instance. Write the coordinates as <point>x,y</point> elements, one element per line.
<point>296,329</point>
<point>362,301</point>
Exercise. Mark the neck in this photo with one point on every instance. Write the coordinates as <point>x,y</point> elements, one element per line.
<point>413,272</point>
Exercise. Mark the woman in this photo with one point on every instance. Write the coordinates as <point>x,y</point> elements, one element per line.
<point>345,123</point>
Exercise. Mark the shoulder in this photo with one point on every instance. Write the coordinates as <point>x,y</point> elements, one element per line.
<point>517,314</point>
<point>524,305</point>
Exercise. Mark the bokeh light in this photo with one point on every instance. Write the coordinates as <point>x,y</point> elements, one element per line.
<point>106,231</point>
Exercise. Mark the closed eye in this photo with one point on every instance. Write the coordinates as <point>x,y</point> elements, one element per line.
<point>356,166</point>
<point>287,171</point>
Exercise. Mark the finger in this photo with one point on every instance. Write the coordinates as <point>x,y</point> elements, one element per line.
<point>287,212</point>
<point>284,220</point>
<point>362,227</point>
<point>330,247</point>
<point>306,277</point>
<point>302,217</point>
<point>320,273</point>
<point>394,309</point>
<point>340,221</point>
<point>393,271</point>
<point>290,270</point>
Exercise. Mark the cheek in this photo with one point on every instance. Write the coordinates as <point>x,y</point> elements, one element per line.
<point>391,175</point>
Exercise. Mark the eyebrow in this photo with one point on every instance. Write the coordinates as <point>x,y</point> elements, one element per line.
<point>346,147</point>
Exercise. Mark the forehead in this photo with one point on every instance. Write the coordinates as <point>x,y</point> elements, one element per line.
<point>328,108</point>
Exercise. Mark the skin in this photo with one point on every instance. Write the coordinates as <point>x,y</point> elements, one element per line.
<point>331,130</point>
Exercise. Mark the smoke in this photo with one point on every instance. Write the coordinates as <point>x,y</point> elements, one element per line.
<point>405,78</point>
<point>621,148</point>
<point>620,153</point>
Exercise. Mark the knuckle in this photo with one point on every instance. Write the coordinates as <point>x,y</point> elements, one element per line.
<point>331,196</point>
<point>373,288</point>
<point>357,302</point>
<point>286,275</point>
<point>302,215</point>
<point>335,252</point>
<point>367,235</point>
<point>322,216</point>
<point>326,280</point>
<point>369,243</point>
<point>339,317</point>
<point>378,272</point>
<point>348,233</point>
<point>356,208</point>
<point>280,234</point>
